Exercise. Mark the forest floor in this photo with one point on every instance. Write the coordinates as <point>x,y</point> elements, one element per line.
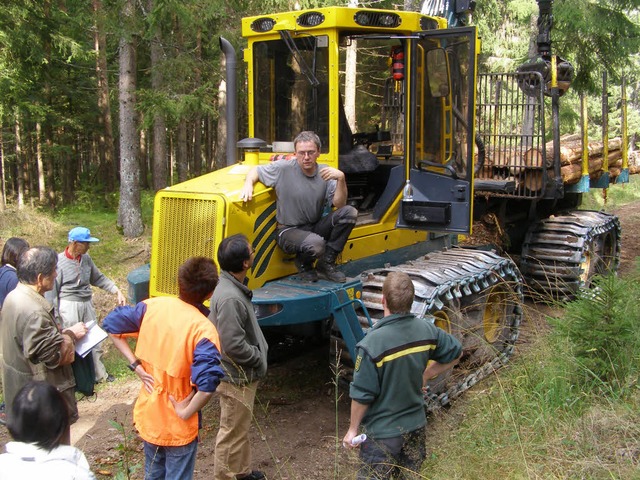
<point>300,414</point>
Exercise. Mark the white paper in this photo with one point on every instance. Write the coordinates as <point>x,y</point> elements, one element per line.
<point>94,336</point>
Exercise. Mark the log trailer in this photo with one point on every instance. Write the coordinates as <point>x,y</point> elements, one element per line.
<point>400,107</point>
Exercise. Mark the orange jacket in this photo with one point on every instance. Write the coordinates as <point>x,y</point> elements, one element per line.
<point>179,346</point>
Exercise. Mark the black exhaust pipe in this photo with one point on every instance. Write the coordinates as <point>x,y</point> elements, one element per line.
<point>232,99</point>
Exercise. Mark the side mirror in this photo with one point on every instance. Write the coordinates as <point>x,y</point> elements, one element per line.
<point>438,72</point>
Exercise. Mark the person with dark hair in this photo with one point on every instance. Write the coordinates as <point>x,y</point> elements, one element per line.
<point>177,358</point>
<point>32,344</point>
<point>13,248</point>
<point>38,423</point>
<point>244,358</point>
<point>72,295</point>
<point>394,361</point>
<point>305,189</point>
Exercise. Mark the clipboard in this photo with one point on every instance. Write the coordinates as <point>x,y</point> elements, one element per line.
<point>94,336</point>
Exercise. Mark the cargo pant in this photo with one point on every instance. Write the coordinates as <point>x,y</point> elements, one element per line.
<point>232,455</point>
<point>397,457</point>
<point>331,231</point>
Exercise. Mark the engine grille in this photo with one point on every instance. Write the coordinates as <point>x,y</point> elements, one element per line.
<point>183,227</point>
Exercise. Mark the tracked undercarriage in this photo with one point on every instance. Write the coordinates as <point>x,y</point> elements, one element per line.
<point>475,295</point>
<point>561,253</point>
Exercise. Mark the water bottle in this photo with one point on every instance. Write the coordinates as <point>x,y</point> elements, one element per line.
<point>359,439</point>
<point>407,193</point>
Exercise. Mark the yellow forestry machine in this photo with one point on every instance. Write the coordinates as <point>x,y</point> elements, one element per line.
<point>401,109</point>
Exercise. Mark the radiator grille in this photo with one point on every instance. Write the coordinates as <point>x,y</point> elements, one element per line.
<point>184,227</point>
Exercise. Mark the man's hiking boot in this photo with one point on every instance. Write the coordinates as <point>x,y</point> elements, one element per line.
<point>254,475</point>
<point>327,267</point>
<point>306,272</point>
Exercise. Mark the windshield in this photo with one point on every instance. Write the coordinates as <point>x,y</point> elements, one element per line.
<point>371,95</point>
<point>291,88</point>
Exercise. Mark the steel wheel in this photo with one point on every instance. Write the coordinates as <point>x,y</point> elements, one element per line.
<point>495,314</point>
<point>587,265</point>
<point>608,252</point>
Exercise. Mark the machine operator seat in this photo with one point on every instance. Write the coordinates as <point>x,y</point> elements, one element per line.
<point>352,159</point>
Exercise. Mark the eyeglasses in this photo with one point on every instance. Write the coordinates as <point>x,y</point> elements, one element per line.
<point>309,153</point>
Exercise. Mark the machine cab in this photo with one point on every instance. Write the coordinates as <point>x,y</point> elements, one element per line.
<point>391,95</point>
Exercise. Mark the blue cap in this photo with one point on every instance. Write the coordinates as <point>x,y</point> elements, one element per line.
<point>81,234</point>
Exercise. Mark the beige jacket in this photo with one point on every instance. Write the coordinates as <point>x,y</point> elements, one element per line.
<point>33,346</point>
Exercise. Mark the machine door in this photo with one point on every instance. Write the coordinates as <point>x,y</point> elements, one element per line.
<point>441,104</point>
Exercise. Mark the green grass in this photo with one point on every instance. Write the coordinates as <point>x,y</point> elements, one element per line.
<point>113,250</point>
<point>567,407</point>
<point>531,422</point>
<point>618,194</point>
<point>115,364</point>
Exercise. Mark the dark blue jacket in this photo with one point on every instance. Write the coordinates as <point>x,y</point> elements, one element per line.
<point>8,281</point>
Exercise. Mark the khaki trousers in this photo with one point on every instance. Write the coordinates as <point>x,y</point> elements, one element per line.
<point>232,455</point>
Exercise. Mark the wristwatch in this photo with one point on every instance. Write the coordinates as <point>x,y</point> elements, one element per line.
<point>133,365</point>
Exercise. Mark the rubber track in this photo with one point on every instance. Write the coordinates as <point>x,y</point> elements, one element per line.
<point>447,278</point>
<point>555,248</point>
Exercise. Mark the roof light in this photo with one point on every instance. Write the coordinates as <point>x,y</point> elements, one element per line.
<point>377,19</point>
<point>264,24</point>
<point>428,24</point>
<point>310,19</point>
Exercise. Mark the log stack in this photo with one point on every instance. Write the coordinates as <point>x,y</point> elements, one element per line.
<point>571,159</point>
<point>634,162</point>
<point>527,166</point>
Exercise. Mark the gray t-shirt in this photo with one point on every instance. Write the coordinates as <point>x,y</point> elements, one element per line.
<point>301,199</point>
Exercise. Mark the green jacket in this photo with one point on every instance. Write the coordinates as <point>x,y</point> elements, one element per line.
<point>390,361</point>
<point>244,348</point>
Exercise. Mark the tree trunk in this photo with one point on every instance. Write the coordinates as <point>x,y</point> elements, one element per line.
<point>107,146</point>
<point>571,150</point>
<point>51,191</point>
<point>350,72</point>
<point>172,158</point>
<point>597,148</point>
<point>30,167</point>
<point>160,159</point>
<point>197,119</point>
<point>20,173</point>
<point>209,125</point>
<point>197,145</point>
<point>3,191</point>
<point>189,134</point>
<point>129,211</point>
<point>67,169</point>
<point>159,171</point>
<point>533,180</point>
<point>181,151</point>
<point>528,122</point>
<point>49,128</point>
<point>41,185</point>
<point>220,159</point>
<point>144,159</point>
<point>298,100</point>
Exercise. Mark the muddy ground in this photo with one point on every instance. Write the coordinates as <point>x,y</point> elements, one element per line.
<point>300,414</point>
